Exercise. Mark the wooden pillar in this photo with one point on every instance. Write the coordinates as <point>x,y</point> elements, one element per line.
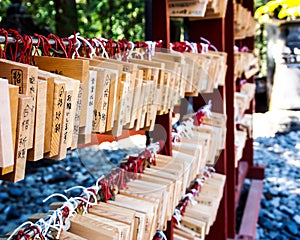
<point>230,146</point>
<point>161,21</point>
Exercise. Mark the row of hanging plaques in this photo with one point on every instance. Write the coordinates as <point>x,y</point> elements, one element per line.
<point>198,9</point>
<point>147,202</point>
<point>242,101</point>
<point>246,63</point>
<point>244,23</point>
<point>60,102</point>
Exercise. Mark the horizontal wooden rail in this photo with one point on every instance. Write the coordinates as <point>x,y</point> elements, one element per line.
<point>251,211</point>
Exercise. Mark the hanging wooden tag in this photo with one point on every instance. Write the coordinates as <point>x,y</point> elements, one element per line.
<point>140,217</point>
<point>13,98</point>
<point>119,114</point>
<point>183,68</point>
<point>24,76</point>
<point>37,152</point>
<point>119,88</point>
<point>196,225</point>
<point>184,233</point>
<point>57,118</point>
<point>176,186</point>
<point>101,99</point>
<point>76,121</point>
<point>70,236</point>
<point>192,81</point>
<point>136,98</point>
<point>217,120</point>
<point>66,127</point>
<point>146,91</point>
<point>23,130</point>
<point>85,132</point>
<point>71,85</point>
<point>153,174</point>
<point>191,154</point>
<point>199,215</point>
<point>73,68</point>
<point>130,68</point>
<point>126,78</point>
<point>151,75</point>
<point>169,190</point>
<point>222,66</point>
<point>6,127</point>
<point>170,186</point>
<point>207,133</point>
<point>165,92</point>
<point>89,228</point>
<point>152,199</point>
<point>117,214</point>
<point>158,192</point>
<point>121,229</point>
<point>112,100</point>
<point>177,172</point>
<point>174,87</point>
<point>149,206</point>
<point>49,112</point>
<point>174,165</point>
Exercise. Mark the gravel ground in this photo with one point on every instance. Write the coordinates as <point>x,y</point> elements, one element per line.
<point>83,167</point>
<point>277,146</point>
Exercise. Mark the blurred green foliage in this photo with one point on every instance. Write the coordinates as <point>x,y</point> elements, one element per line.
<point>261,42</point>
<point>110,19</point>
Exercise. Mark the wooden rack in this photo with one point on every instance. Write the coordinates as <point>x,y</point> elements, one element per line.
<point>220,31</point>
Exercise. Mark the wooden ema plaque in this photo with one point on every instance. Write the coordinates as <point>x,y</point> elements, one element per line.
<point>130,68</point>
<point>90,228</point>
<point>6,134</point>
<point>13,99</point>
<point>37,152</point>
<point>25,77</point>
<point>71,127</point>
<point>22,136</point>
<point>77,69</point>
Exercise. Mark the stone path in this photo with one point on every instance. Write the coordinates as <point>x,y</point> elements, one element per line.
<point>280,206</point>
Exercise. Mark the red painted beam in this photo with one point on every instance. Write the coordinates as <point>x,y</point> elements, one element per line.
<point>161,21</point>
<point>163,132</point>
<point>256,172</point>
<point>242,174</point>
<point>100,138</point>
<point>231,177</point>
<point>251,211</point>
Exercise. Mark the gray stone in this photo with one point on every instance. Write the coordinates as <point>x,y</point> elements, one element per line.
<point>15,192</point>
<point>275,202</point>
<point>273,235</point>
<point>264,203</point>
<point>2,220</point>
<point>266,213</point>
<point>60,176</point>
<point>292,228</point>
<point>297,219</point>
<point>4,197</point>
<point>280,237</point>
<point>286,210</point>
<point>11,212</point>
<point>2,207</point>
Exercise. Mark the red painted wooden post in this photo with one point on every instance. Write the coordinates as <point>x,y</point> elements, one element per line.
<point>230,144</point>
<point>219,228</point>
<point>161,21</point>
<point>161,31</point>
<point>220,33</point>
<point>163,132</point>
